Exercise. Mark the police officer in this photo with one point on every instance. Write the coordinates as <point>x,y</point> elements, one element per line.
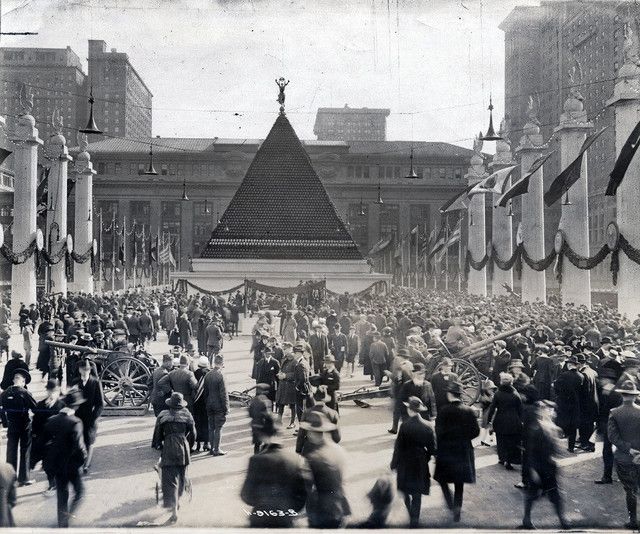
<point>16,403</point>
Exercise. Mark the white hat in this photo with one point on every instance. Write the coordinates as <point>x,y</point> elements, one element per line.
<point>203,362</point>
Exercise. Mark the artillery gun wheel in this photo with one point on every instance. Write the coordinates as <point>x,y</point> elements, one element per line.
<point>125,382</point>
<point>470,379</point>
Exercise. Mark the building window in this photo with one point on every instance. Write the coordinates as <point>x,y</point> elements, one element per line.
<point>101,167</point>
<point>419,216</point>
<point>164,170</point>
<point>117,167</point>
<point>141,168</point>
<point>358,222</point>
<point>389,216</point>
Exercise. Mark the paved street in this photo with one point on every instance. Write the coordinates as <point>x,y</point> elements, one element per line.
<point>120,486</point>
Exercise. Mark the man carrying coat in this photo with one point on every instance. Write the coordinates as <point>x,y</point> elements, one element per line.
<point>415,445</point>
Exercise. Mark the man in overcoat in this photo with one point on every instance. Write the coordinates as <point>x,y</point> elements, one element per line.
<point>589,407</point>
<point>181,380</point>
<point>415,445</point>
<point>319,347</point>
<point>90,410</point>
<point>217,403</point>
<point>66,454</point>
<point>275,479</point>
<point>16,403</point>
<point>568,387</point>
<point>456,426</point>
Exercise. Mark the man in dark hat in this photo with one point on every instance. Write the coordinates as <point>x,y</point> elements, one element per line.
<point>16,404</point>
<point>181,380</point>
<point>624,434</point>
<point>14,363</point>
<point>217,404</point>
<point>378,356</point>
<point>259,405</point>
<point>159,393</point>
<point>275,479</point>
<point>420,388</point>
<point>91,408</point>
<point>588,403</point>
<point>66,454</point>
<point>568,388</point>
<point>321,399</point>
<point>327,505</point>
<point>543,372</point>
<point>301,374</point>
<point>414,447</point>
<point>267,370</point>
<point>353,346</point>
<point>338,345</point>
<point>605,346</point>
<point>319,347</point>
<point>441,380</point>
<point>608,399</point>
<point>45,409</point>
<point>330,377</point>
<point>456,427</point>
<point>401,373</point>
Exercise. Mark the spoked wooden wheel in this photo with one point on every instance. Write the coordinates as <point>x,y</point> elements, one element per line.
<point>469,378</point>
<point>125,382</point>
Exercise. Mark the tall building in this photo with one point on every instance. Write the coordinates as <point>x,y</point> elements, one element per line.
<point>56,80</point>
<point>351,124</point>
<point>548,50</point>
<point>123,101</point>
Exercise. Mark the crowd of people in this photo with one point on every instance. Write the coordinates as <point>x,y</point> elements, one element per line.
<point>572,374</point>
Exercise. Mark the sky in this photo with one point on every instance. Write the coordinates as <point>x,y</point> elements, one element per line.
<point>211,64</point>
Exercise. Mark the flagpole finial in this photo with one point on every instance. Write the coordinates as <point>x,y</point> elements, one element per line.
<point>281,83</point>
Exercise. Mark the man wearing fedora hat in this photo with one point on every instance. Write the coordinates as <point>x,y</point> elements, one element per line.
<point>608,399</point>
<point>414,447</point>
<point>65,454</point>
<point>589,407</point>
<point>624,433</point>
<point>456,427</point>
<point>14,363</point>
<point>321,400</point>
<point>259,405</point>
<point>327,505</point>
<point>275,483</point>
<point>568,387</point>
<point>16,403</point>
<point>267,370</point>
<point>158,393</point>
<point>173,432</point>
<point>330,378</point>
<point>217,403</point>
<point>91,408</point>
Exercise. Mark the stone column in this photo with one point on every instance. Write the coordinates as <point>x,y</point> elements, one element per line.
<point>83,235</point>
<point>626,101</point>
<point>57,204</point>
<point>502,226</point>
<point>574,221</point>
<point>534,283</point>
<point>23,276</point>
<point>477,245</point>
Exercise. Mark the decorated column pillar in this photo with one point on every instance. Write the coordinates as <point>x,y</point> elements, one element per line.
<point>626,102</point>
<point>477,241</point>
<point>502,227</point>
<point>575,287</point>
<point>531,228</point>
<point>83,234</point>
<point>23,276</point>
<point>57,206</point>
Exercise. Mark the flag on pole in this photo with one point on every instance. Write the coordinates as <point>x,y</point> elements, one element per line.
<point>121,251</point>
<point>153,250</point>
<point>165,252</point>
<point>571,174</point>
<point>522,186</point>
<point>4,154</point>
<point>455,235</point>
<point>457,202</point>
<point>439,243</point>
<point>494,183</point>
<point>624,160</point>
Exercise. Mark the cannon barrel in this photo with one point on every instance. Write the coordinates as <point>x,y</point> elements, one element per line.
<point>77,348</point>
<point>478,346</point>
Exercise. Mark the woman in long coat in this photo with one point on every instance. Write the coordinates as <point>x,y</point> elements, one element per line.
<point>289,328</point>
<point>286,393</point>
<point>505,413</point>
<point>456,426</point>
<point>171,437</point>
<point>199,406</point>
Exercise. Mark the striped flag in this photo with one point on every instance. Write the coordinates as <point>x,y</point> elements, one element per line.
<point>454,236</point>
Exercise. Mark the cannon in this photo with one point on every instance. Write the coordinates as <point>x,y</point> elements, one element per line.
<point>125,377</point>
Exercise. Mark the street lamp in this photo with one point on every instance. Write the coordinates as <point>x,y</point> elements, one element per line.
<point>491,134</point>
<point>91,127</point>
<point>412,173</point>
<point>150,170</point>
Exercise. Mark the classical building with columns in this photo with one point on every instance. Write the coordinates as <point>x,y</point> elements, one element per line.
<point>210,170</point>
<point>548,49</point>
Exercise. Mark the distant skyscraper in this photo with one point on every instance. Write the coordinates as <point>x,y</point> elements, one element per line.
<point>56,80</point>
<point>351,124</point>
<point>548,49</point>
<point>123,101</point>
